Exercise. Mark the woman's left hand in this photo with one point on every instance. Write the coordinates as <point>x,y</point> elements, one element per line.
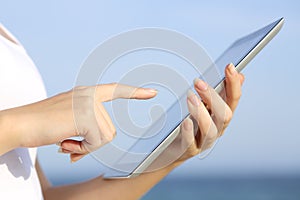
<point>209,118</point>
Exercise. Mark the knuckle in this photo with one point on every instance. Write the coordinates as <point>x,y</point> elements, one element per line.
<point>228,116</point>
<point>210,138</point>
<point>79,87</point>
<point>110,135</point>
<point>114,85</point>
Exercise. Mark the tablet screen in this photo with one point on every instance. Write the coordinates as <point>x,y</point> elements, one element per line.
<point>123,164</point>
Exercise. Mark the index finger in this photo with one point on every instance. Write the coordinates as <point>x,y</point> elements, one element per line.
<point>108,92</point>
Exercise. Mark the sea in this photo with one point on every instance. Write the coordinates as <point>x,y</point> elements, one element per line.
<point>239,188</point>
<point>225,188</point>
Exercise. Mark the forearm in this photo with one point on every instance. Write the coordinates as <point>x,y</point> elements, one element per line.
<point>99,188</point>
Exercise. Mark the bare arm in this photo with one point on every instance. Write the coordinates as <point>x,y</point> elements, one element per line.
<point>8,137</point>
<point>99,188</point>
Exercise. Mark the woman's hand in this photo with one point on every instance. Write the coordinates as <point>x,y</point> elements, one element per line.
<point>209,118</point>
<point>78,112</point>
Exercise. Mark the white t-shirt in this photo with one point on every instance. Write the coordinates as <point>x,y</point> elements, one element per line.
<point>20,84</point>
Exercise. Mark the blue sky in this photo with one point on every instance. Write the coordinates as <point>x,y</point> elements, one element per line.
<point>264,135</point>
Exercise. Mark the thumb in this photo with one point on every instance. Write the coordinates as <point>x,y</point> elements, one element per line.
<point>108,92</point>
<point>73,146</point>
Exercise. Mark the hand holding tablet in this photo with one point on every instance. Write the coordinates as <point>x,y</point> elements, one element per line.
<point>240,53</point>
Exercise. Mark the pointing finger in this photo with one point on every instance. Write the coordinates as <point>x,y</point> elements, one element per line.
<point>113,91</point>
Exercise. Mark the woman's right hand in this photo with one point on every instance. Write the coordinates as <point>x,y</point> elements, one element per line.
<point>78,112</point>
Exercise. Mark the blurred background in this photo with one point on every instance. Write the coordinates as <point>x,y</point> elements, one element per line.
<point>259,155</point>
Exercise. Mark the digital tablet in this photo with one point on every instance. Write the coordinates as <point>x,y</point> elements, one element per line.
<point>240,53</point>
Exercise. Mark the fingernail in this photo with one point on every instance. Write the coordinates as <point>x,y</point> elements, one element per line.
<point>232,69</point>
<point>150,90</point>
<point>201,85</point>
<point>193,98</point>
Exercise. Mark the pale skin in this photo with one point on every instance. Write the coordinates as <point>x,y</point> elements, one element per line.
<point>51,120</point>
